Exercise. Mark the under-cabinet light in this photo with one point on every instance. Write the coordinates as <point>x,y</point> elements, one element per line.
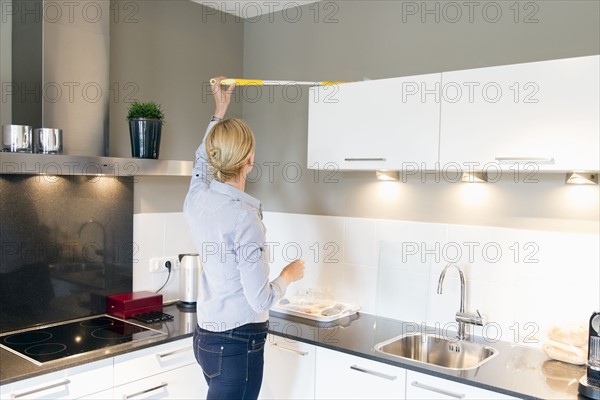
<point>474,177</point>
<point>385,175</point>
<point>582,178</point>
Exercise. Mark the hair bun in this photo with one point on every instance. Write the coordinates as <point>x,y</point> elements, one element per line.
<point>215,154</point>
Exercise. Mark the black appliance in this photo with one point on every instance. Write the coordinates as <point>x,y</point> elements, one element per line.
<point>70,339</point>
<point>589,384</point>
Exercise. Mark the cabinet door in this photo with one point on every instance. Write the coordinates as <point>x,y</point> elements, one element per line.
<point>181,383</point>
<point>421,386</point>
<point>289,370</point>
<point>66,384</point>
<point>535,115</point>
<point>342,376</point>
<point>154,360</point>
<point>380,124</point>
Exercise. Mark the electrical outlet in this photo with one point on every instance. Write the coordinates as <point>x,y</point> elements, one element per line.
<point>157,264</point>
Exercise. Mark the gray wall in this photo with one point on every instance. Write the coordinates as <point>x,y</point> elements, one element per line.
<point>380,39</point>
<point>167,51</point>
<point>347,41</point>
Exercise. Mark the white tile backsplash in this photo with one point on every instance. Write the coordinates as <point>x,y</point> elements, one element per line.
<point>522,281</point>
<point>360,244</point>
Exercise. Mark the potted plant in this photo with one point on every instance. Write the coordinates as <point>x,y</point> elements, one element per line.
<point>145,126</point>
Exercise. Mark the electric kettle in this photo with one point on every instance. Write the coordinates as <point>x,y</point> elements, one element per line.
<point>189,276</point>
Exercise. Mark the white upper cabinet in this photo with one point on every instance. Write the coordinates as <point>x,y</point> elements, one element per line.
<point>544,113</point>
<point>379,124</point>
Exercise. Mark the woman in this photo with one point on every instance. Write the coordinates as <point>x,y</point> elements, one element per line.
<point>235,294</point>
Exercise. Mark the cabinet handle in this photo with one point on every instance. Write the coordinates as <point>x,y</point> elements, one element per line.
<point>438,390</point>
<point>64,382</point>
<point>160,356</point>
<point>299,352</point>
<point>539,160</point>
<point>375,373</point>
<point>129,396</point>
<point>364,159</point>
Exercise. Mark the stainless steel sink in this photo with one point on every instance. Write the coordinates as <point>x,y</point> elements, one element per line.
<point>437,350</point>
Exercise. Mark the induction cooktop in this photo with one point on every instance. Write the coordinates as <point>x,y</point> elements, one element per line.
<point>73,338</point>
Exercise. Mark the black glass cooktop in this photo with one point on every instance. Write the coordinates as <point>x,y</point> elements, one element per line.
<point>67,339</point>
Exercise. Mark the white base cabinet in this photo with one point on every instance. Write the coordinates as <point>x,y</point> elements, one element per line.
<point>289,370</point>
<point>70,383</point>
<point>293,370</point>
<point>343,376</point>
<point>166,371</point>
<point>181,383</point>
<point>427,387</point>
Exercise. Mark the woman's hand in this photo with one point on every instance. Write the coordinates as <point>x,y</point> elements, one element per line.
<point>293,271</point>
<point>222,97</point>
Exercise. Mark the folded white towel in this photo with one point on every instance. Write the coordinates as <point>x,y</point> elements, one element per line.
<point>576,335</point>
<point>565,352</point>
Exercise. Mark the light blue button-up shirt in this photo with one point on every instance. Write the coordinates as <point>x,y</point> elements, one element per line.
<point>227,229</point>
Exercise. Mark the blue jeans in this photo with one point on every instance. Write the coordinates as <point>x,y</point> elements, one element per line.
<point>232,361</point>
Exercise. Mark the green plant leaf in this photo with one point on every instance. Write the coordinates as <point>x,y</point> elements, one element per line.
<point>148,110</point>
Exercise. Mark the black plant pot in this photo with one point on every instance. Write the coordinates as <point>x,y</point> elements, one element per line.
<point>145,137</point>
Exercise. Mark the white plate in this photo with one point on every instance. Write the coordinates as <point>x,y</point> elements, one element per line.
<point>318,310</point>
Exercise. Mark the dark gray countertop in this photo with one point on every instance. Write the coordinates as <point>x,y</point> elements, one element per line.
<point>517,370</point>
<point>14,368</point>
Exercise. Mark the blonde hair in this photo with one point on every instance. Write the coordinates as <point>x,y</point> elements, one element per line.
<point>229,145</point>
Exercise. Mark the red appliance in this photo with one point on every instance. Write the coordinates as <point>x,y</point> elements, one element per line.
<point>129,304</point>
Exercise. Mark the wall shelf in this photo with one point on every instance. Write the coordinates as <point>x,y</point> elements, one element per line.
<point>45,164</point>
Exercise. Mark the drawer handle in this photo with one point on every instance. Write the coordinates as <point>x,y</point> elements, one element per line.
<point>299,352</point>
<point>374,373</point>
<point>538,160</point>
<point>129,396</point>
<point>170,353</point>
<point>364,159</point>
<point>438,390</point>
<point>64,382</point>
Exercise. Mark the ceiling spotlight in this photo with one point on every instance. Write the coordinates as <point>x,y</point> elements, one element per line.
<point>474,177</point>
<point>385,175</point>
<point>582,178</point>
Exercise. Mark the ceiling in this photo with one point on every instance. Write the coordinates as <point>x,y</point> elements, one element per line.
<point>252,9</point>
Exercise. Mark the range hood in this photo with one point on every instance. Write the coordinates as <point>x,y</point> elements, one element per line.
<point>59,71</point>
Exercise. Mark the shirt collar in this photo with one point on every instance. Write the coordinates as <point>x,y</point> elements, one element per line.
<point>236,194</point>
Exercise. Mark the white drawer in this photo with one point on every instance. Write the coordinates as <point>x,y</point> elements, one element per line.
<point>66,384</point>
<point>154,360</point>
<point>421,386</point>
<point>182,383</point>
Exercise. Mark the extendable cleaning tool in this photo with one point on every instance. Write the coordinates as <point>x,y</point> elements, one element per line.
<point>260,82</point>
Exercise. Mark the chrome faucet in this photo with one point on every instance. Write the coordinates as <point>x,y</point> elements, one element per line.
<point>462,317</point>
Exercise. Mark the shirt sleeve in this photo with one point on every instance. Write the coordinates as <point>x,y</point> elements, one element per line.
<point>253,264</point>
<point>201,177</point>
